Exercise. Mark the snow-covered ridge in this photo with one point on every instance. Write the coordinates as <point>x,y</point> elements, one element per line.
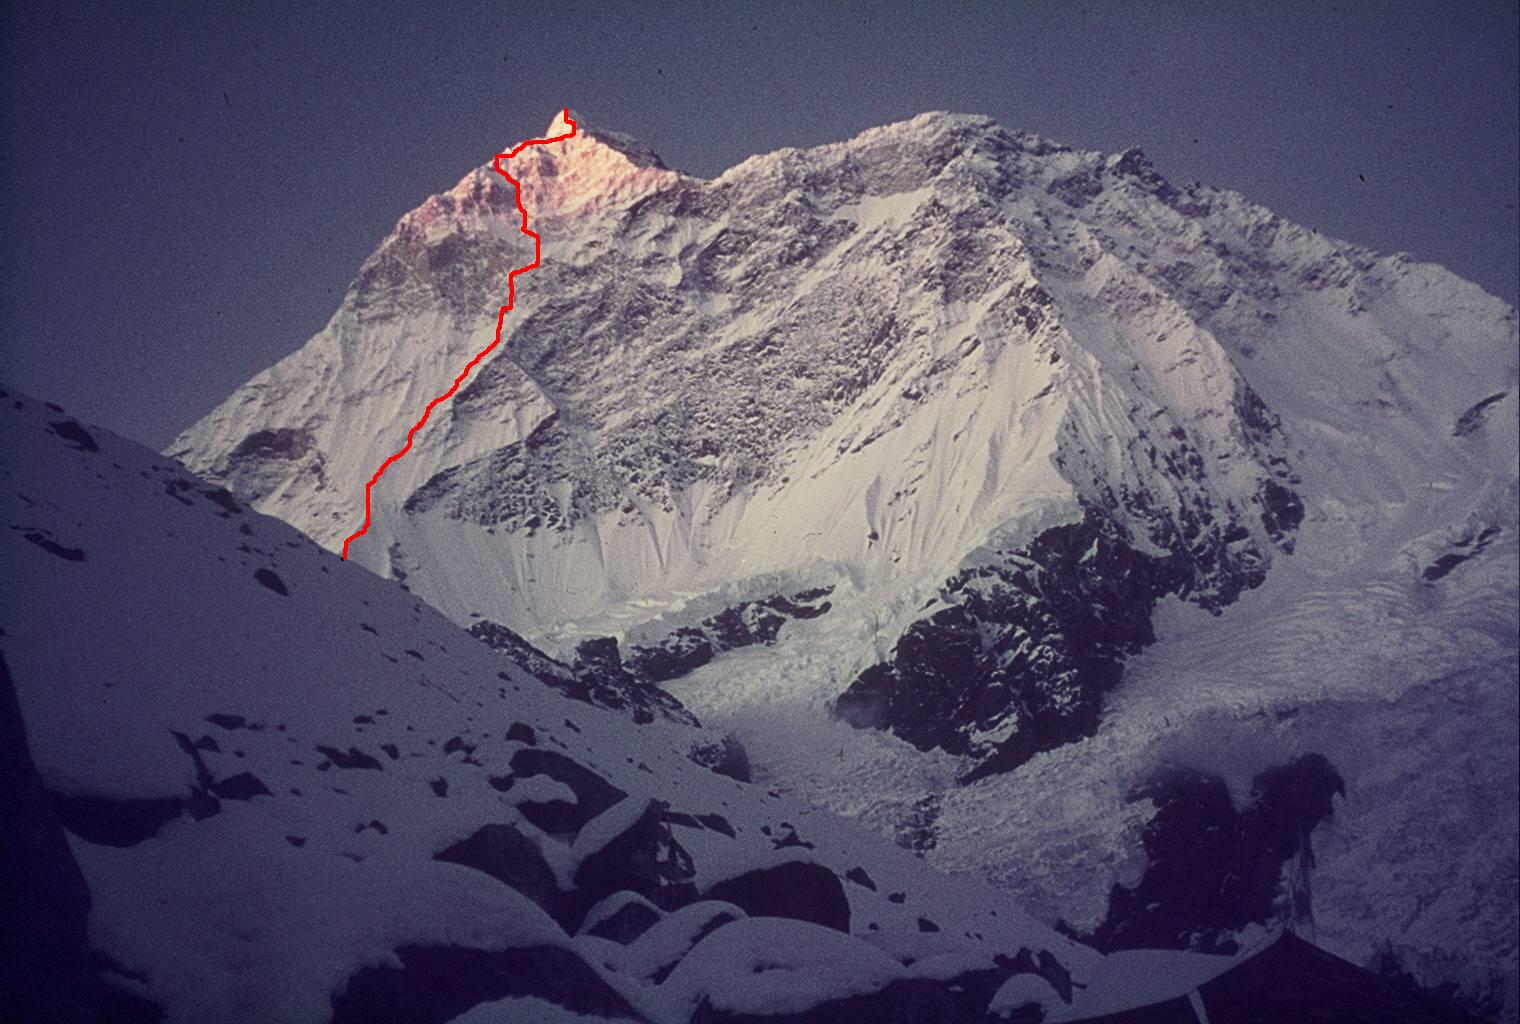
<point>301,792</point>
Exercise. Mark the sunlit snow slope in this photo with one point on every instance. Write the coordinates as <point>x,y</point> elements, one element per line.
<point>873,357</point>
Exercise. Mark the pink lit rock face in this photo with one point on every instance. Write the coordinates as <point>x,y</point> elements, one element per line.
<point>1099,473</point>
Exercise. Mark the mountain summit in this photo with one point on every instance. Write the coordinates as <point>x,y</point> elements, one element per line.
<point>637,153</point>
<point>909,446</point>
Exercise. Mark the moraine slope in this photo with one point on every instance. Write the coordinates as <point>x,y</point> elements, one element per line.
<point>942,432</point>
<point>296,793</point>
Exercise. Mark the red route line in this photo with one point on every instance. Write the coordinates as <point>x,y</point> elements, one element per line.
<point>501,319</point>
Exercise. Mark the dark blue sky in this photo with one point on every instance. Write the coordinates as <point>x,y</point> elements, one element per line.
<point>188,189</point>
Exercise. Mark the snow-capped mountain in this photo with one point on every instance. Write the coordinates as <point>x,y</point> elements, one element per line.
<point>911,447</point>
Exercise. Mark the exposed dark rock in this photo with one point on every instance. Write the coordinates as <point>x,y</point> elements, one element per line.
<point>1444,565</point>
<point>713,915</point>
<point>859,876</point>
<point>76,435</point>
<point>1077,190</point>
<point>594,793</point>
<point>556,817</point>
<point>223,499</point>
<point>1029,646</point>
<point>203,777</point>
<point>1294,980</point>
<point>686,649</point>
<point>1214,870</point>
<point>643,858</point>
<point>268,578</point>
<point>353,758</point>
<point>597,678</point>
<point>510,489</point>
<point>1468,547</point>
<point>243,786</point>
<point>1025,647</point>
<point>796,889</point>
<point>114,822</point>
<point>1045,966</point>
<point>228,722</point>
<point>1053,971</point>
<point>726,757</point>
<point>916,831</point>
<point>714,822</point>
<point>178,489</point>
<point>790,838</point>
<point>599,665</point>
<point>47,970</point>
<point>435,984</point>
<point>805,604</point>
<point>718,823</point>
<point>282,443</point>
<point>517,732</point>
<point>1473,418</point>
<point>504,853</point>
<point>633,917</point>
<point>44,902</point>
<point>599,656</point>
<point>1136,166</point>
<point>1447,995</point>
<point>201,804</point>
<point>747,624</point>
<point>743,625</point>
<point>44,540</point>
<point>1281,512</point>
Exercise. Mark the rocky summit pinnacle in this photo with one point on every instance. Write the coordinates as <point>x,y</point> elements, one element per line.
<point>633,149</point>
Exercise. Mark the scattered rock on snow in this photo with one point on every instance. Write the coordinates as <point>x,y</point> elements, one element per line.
<point>268,578</point>
<point>800,890</point>
<point>507,855</point>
